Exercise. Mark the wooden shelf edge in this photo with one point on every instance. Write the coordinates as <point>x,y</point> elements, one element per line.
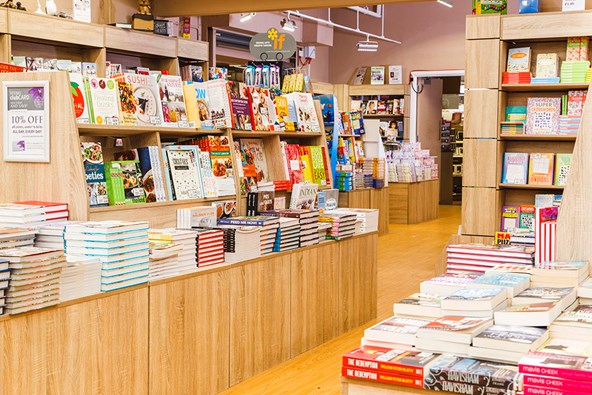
<point>542,87</point>
<point>129,130</point>
<point>263,133</point>
<point>113,209</point>
<point>534,137</point>
<point>530,187</point>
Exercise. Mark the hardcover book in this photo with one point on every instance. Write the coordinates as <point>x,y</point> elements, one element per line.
<point>219,103</point>
<point>124,182</point>
<point>518,60</point>
<point>307,114</point>
<point>174,112</point>
<point>562,167</point>
<point>293,163</point>
<point>185,172</point>
<point>139,99</point>
<point>239,104</point>
<point>259,108</point>
<point>96,183</point>
<point>254,154</point>
<point>190,97</point>
<point>542,115</point>
<point>318,165</point>
<point>79,96</point>
<point>104,101</point>
<point>203,105</point>
<point>283,114</point>
<point>540,170</point>
<point>304,196</point>
<point>515,169</point>
<point>151,171</point>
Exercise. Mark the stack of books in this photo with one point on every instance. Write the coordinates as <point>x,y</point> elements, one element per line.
<point>14,215</point>
<point>507,344</point>
<point>172,252</point>
<point>308,221</point>
<point>475,302</point>
<point>288,235</point>
<point>574,72</point>
<point>54,212</point>
<point>522,77</point>
<point>267,226</point>
<point>16,237</point>
<point>575,324</point>
<point>514,283</point>
<point>4,280</point>
<point>80,277</point>
<point>588,75</point>
<point>122,247</point>
<point>51,236</point>
<point>324,228</point>
<point>585,292</point>
<point>378,172</point>
<point>241,243</point>
<point>472,376</point>
<point>569,124</point>
<point>544,80</point>
<point>367,218</point>
<point>451,334</point>
<point>394,332</point>
<point>210,247</point>
<point>344,180</point>
<point>384,365</point>
<point>512,127</point>
<point>559,274</point>
<point>342,225</point>
<point>34,278</point>
<point>419,305</point>
<point>448,283</point>
<point>478,258</point>
<point>547,373</point>
<point>195,217</point>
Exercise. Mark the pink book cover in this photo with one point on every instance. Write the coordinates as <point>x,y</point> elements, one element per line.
<point>575,102</point>
<point>542,115</point>
<point>294,163</point>
<point>528,390</point>
<point>559,384</point>
<point>569,367</point>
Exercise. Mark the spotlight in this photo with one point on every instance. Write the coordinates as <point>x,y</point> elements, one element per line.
<point>288,25</point>
<point>367,46</point>
<point>447,3</point>
<point>246,17</point>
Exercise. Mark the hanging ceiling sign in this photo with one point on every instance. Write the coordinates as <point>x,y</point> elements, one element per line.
<point>272,45</point>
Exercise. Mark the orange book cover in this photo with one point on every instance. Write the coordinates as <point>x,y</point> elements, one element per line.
<point>540,171</point>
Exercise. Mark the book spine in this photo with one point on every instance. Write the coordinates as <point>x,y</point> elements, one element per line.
<point>560,373</point>
<point>159,183</point>
<point>389,368</point>
<point>559,384</point>
<point>465,388</point>
<point>493,380</point>
<point>167,175</point>
<point>528,390</point>
<point>241,222</point>
<point>379,377</point>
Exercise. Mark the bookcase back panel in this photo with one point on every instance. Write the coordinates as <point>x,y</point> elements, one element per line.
<point>45,50</point>
<point>536,48</point>
<point>517,197</point>
<point>62,179</point>
<point>521,98</point>
<point>128,61</point>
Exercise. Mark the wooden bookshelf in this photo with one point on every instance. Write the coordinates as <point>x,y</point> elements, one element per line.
<point>124,131</point>
<point>490,37</point>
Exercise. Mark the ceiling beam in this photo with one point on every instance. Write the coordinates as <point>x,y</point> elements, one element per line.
<point>223,7</point>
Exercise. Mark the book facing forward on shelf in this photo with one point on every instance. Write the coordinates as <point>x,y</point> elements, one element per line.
<point>94,168</point>
<point>542,115</point>
<point>540,169</point>
<point>139,99</point>
<point>515,170</point>
<point>518,60</point>
<point>562,167</point>
<point>185,172</point>
<point>547,65</point>
<point>173,101</point>
<point>124,182</point>
<point>103,100</point>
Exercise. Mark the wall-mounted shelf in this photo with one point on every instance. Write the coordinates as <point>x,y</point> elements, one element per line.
<point>534,137</point>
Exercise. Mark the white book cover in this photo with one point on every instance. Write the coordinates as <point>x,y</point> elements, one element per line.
<point>219,103</point>
<point>185,173</point>
<point>104,101</point>
<point>306,112</point>
<point>174,112</point>
<point>377,75</point>
<point>395,75</point>
<point>139,100</point>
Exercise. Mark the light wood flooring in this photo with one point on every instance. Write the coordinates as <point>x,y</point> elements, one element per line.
<point>406,256</point>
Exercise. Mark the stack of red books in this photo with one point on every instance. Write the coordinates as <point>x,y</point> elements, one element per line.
<point>516,78</point>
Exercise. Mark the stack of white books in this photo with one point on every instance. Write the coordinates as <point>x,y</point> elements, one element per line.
<point>419,305</point>
<point>475,302</point>
<point>451,334</point>
<point>478,258</point>
<point>51,236</point>
<point>14,215</point>
<point>555,274</point>
<point>367,218</point>
<point>80,277</point>
<point>575,323</point>
<point>447,283</point>
<point>122,247</point>
<point>54,212</point>
<point>210,247</point>
<point>514,283</point>
<point>324,228</point>
<point>241,243</point>
<point>34,278</point>
<point>172,252</point>
<point>16,237</point>
<point>308,221</point>
<point>288,235</point>
<point>508,344</point>
<point>395,332</point>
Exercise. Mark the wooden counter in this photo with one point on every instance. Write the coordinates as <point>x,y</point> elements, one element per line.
<point>414,202</point>
<point>199,333</point>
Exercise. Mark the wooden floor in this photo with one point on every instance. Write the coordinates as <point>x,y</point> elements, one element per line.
<point>406,256</point>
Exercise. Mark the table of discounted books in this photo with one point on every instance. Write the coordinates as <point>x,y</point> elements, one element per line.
<point>500,326</point>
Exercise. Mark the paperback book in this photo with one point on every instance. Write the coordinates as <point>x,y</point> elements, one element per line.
<point>518,60</point>
<point>174,112</point>
<point>124,182</point>
<point>515,170</point>
<point>79,96</point>
<point>96,183</point>
<point>239,104</point>
<point>562,167</point>
<point>104,101</point>
<point>219,103</point>
<point>185,172</point>
<point>139,99</point>
<point>254,157</point>
<point>540,169</point>
<point>542,115</point>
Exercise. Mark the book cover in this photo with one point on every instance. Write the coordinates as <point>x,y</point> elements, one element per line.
<point>239,104</point>
<point>292,152</point>
<point>203,105</point>
<point>318,165</point>
<point>259,108</point>
<point>542,115</point>
<point>581,314</point>
<point>518,60</point>
<point>395,75</point>
<point>254,155</point>
<point>575,102</point>
<point>174,112</point>
<point>377,75</point>
<point>304,196</point>
<point>562,166</point>
<point>306,164</point>
<point>400,362</point>
<point>208,180</point>
<point>219,149</point>
<point>219,103</point>
<point>225,209</point>
<point>555,384</point>
<point>510,216</point>
<point>455,323</point>
<point>474,295</point>
<point>185,172</point>
<point>79,96</point>
<point>152,177</point>
<point>124,182</point>
<point>358,77</point>
<point>511,334</point>
<point>515,170</point>
<point>540,170</point>
<point>547,65</point>
<point>283,114</point>
<point>104,101</point>
<point>306,112</point>
<point>139,99</point>
<point>559,366</point>
<point>96,182</point>
<point>527,217</point>
<point>191,108</point>
<point>381,377</point>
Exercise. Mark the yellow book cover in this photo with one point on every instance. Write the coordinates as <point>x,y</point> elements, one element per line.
<point>540,171</point>
<point>306,167</point>
<point>191,105</point>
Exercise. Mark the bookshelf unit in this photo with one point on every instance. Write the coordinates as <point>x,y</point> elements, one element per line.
<point>490,37</point>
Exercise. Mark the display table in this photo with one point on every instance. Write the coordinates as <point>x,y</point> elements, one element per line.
<point>362,387</point>
<point>414,202</point>
<point>195,334</point>
<point>375,198</point>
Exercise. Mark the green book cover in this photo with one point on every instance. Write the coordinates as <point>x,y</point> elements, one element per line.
<point>124,182</point>
<point>562,166</point>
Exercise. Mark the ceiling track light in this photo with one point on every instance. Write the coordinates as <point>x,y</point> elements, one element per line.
<point>288,24</point>
<point>246,17</point>
<point>367,46</point>
<point>447,3</point>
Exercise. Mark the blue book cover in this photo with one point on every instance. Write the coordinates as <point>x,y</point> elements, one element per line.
<point>96,184</point>
<point>475,294</point>
<point>515,170</point>
<point>503,279</point>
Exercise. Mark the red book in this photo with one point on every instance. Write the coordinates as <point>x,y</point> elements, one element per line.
<point>559,384</point>
<point>294,163</point>
<point>393,362</point>
<point>381,377</point>
<point>11,68</point>
<point>326,166</point>
<point>50,207</point>
<point>569,367</point>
